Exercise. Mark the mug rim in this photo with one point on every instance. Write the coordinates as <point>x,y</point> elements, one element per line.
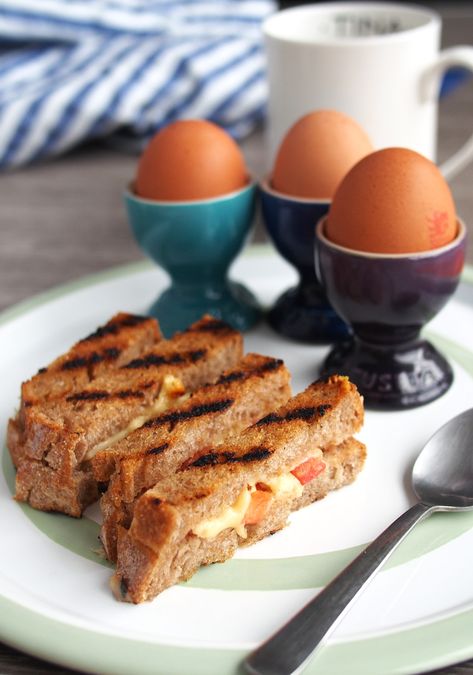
<point>431,19</point>
<point>417,255</point>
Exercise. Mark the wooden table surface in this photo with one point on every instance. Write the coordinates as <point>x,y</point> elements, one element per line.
<point>63,219</point>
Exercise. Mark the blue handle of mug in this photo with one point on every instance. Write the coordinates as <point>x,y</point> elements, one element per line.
<point>461,56</point>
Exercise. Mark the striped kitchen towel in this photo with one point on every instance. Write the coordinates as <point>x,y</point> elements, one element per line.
<point>72,70</point>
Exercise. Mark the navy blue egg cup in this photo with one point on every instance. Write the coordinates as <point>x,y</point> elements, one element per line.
<point>301,313</point>
<point>387,300</point>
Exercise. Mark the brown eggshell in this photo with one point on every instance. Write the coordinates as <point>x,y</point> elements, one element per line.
<point>190,159</point>
<point>392,201</point>
<point>316,153</point>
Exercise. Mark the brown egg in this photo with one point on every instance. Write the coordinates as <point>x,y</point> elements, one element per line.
<point>316,153</point>
<point>393,201</point>
<point>190,159</point>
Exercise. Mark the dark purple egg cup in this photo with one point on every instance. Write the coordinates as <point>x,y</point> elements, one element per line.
<point>387,300</point>
<point>301,313</point>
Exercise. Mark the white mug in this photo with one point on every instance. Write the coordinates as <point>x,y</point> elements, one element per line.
<point>377,62</point>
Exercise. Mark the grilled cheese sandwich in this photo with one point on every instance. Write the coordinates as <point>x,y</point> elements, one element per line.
<point>301,451</point>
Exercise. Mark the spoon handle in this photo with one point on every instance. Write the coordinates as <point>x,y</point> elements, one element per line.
<point>289,648</point>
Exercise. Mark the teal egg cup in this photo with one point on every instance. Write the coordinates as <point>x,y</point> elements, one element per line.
<point>196,242</point>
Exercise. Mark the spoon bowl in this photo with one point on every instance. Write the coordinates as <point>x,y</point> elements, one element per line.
<point>442,479</point>
<point>443,472</point>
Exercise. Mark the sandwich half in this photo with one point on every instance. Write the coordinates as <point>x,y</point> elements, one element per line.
<point>60,428</point>
<point>123,338</point>
<point>212,414</point>
<point>238,492</point>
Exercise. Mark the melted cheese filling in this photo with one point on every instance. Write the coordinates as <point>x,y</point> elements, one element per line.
<point>284,486</point>
<point>172,391</point>
<point>231,516</point>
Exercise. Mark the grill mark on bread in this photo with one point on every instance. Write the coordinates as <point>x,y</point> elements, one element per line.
<point>237,375</point>
<point>209,459</point>
<point>83,396</point>
<point>256,454</point>
<point>114,327</point>
<point>129,393</point>
<point>133,320</point>
<point>110,354</point>
<point>153,360</point>
<point>87,396</point>
<point>274,364</point>
<point>230,377</point>
<point>158,450</point>
<point>176,416</point>
<point>197,355</point>
<point>210,326</point>
<point>305,414</point>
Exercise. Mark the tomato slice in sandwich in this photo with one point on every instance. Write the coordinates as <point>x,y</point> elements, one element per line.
<point>258,508</point>
<point>308,470</point>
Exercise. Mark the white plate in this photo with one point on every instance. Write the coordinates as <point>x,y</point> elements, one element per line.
<point>416,615</point>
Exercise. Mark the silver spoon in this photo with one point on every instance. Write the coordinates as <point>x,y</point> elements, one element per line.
<point>442,479</point>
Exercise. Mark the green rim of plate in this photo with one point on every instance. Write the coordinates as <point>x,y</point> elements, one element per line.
<point>423,647</point>
<point>428,646</point>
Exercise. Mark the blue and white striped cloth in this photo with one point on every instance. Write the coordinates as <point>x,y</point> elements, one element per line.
<point>72,70</point>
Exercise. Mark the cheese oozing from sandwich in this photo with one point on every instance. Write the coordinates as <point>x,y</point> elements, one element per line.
<point>231,516</point>
<point>172,391</point>
<point>283,486</point>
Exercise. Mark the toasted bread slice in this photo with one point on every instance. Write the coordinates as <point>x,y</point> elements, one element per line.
<point>123,338</point>
<point>239,398</point>
<point>60,434</point>
<point>198,516</point>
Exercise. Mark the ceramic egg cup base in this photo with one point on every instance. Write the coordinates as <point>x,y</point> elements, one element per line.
<point>391,377</point>
<point>179,306</point>
<point>196,242</point>
<point>302,313</point>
